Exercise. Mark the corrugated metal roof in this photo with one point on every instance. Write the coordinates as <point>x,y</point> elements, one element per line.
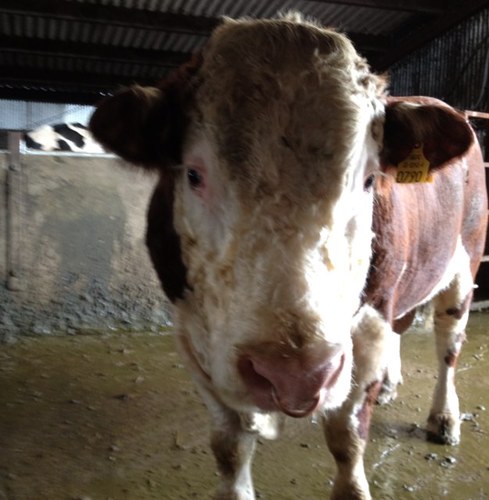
<point>346,17</point>
<point>78,49</point>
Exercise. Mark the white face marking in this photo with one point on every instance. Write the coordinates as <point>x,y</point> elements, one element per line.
<point>271,208</point>
<point>251,280</point>
<point>206,213</point>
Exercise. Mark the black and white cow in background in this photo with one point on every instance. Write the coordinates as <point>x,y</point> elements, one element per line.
<point>73,137</point>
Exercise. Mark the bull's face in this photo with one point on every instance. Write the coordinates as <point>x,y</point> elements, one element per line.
<point>276,247</point>
<point>273,205</point>
<point>260,229</point>
<point>274,150</point>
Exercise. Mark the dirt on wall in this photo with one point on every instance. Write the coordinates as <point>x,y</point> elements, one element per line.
<point>77,248</point>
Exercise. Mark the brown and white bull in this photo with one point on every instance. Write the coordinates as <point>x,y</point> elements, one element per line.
<point>291,254</point>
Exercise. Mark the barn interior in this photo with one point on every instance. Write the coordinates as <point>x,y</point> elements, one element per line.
<point>82,316</point>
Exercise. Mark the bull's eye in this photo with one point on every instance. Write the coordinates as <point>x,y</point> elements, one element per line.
<point>194,178</point>
<point>369,182</point>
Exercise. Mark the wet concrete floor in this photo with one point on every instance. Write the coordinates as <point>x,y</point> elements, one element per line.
<point>115,416</point>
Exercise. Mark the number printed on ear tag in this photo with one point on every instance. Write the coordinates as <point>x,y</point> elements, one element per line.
<point>415,168</point>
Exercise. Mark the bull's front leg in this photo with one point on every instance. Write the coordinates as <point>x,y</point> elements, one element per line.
<point>233,446</point>
<point>233,449</point>
<point>451,315</point>
<point>233,435</point>
<point>393,374</point>
<point>346,429</point>
<point>346,432</point>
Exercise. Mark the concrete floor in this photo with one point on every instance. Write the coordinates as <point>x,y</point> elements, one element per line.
<point>114,416</point>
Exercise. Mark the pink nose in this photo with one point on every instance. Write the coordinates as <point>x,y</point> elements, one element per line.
<point>294,382</point>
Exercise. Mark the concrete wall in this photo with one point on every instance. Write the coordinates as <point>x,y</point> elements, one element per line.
<point>78,258</point>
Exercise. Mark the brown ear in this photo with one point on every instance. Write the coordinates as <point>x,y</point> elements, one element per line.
<point>444,133</point>
<point>146,125</point>
<point>143,125</point>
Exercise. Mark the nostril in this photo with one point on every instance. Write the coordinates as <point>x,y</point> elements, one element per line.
<point>295,385</point>
<point>251,377</point>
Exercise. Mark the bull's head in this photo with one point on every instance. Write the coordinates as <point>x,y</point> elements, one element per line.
<point>268,147</point>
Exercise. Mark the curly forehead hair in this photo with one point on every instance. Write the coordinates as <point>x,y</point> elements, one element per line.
<point>291,37</point>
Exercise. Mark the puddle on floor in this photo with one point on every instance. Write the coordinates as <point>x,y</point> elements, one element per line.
<point>116,417</point>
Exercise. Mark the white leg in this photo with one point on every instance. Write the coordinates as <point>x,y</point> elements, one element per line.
<point>393,375</point>
<point>233,435</point>
<point>233,449</point>
<point>451,315</point>
<point>233,439</point>
<point>346,429</point>
<point>346,432</point>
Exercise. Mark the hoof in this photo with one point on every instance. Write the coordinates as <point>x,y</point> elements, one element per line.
<point>443,429</point>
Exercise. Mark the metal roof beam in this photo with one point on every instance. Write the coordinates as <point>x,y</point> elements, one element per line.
<point>43,47</point>
<point>369,43</point>
<point>425,6</point>
<point>45,95</point>
<point>95,13</point>
<point>34,77</point>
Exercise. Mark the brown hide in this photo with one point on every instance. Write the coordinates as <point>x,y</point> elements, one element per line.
<point>416,226</point>
<point>163,242</point>
<point>409,121</point>
<point>282,157</point>
<point>146,125</point>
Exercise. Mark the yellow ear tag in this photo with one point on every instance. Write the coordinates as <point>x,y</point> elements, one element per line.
<point>415,168</point>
